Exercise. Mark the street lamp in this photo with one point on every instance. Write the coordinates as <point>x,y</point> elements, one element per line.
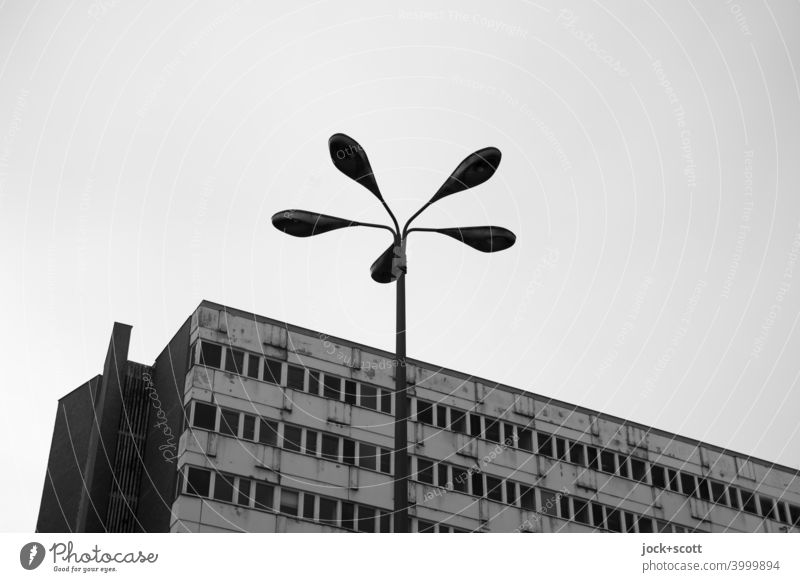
<point>351,159</point>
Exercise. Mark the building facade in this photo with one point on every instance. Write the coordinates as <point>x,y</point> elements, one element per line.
<point>244,423</point>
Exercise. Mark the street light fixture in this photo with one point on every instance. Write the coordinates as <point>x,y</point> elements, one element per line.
<point>350,158</point>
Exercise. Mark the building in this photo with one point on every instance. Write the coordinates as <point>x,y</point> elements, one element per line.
<point>244,423</point>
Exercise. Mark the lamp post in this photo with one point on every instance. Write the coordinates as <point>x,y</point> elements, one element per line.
<point>351,159</point>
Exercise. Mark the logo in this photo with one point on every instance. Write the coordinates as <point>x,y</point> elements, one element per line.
<point>31,555</point>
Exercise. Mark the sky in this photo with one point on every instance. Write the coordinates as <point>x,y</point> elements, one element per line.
<point>649,172</point>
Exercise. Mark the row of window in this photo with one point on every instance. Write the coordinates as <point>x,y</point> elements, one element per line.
<point>295,377</point>
<point>591,457</point>
<point>298,439</point>
<point>264,496</point>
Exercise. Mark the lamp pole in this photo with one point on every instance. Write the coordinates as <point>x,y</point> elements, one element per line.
<point>390,267</point>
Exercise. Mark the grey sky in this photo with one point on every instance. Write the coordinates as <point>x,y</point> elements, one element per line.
<point>649,170</point>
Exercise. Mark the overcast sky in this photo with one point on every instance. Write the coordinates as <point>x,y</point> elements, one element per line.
<point>650,171</point>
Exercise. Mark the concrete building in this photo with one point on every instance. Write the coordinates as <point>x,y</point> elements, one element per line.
<point>244,423</point>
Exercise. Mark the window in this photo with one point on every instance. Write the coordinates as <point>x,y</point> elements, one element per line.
<point>252,365</point>
<point>630,522</point>
<point>494,488</point>
<point>561,449</point>
<point>733,497</point>
<point>386,401</point>
<point>205,416</point>
<point>507,434</point>
<point>249,427</point>
<point>425,526</point>
<point>386,522</point>
<point>348,513</point>
<point>703,490</point>
<point>493,431</point>
<point>717,492</point>
<point>441,416</point>
<point>234,361</point>
<point>327,511</point>
<point>613,520</point>
<point>313,382</point>
<point>528,498</point>
<point>623,467</point>
<point>244,492</point>
<point>386,461</point>
<point>672,480</point>
<point>511,492</point>
<point>767,507</point>
<point>291,437</point>
<point>424,412</point>
<point>223,487</point>
<point>210,355</point>
<point>198,482</point>
<point>460,480</point>
<point>366,519</point>
<point>330,447</point>
<point>229,423</point>
<point>794,514</point>
<point>545,444</point>
<point>441,475</point>
<point>366,456</point>
<point>308,506</point>
<point>333,387</point>
<point>289,502</point>
<point>576,454</point>
<point>295,377</point>
<point>657,475</point>
<point>581,509</point>
<point>264,496</point>
<point>475,428</point>
<point>638,470</point>
<point>645,524</point>
<point>607,462</point>
<point>311,442</point>
<point>564,502</point>
<point>749,501</point>
<point>525,439</point>
<point>268,432</point>
<point>688,484</point>
<point>349,452</point>
<point>425,471</point>
<point>369,397</point>
<point>272,373</point>
<point>458,421</point>
<point>477,484</point>
<point>350,392</point>
<point>597,516</point>
<point>592,460</point>
<point>549,502</point>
